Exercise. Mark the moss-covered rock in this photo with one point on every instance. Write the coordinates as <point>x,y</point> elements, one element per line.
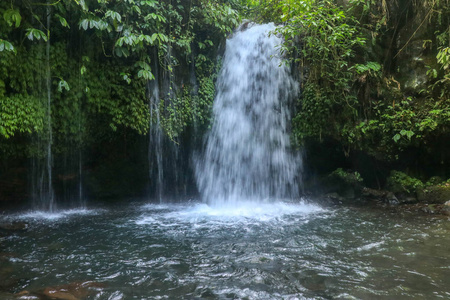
<point>345,183</point>
<point>435,194</point>
<point>401,183</point>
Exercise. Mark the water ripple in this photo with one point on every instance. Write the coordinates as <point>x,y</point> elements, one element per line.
<point>190,251</point>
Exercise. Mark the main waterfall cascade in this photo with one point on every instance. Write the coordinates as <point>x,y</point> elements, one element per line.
<point>247,155</point>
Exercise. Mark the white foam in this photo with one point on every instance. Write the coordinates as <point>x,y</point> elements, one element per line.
<point>251,210</point>
<point>257,211</point>
<point>57,215</point>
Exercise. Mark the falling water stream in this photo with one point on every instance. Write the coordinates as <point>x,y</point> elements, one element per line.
<point>247,155</point>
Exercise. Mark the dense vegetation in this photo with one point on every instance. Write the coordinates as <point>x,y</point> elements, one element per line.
<point>98,57</point>
<point>375,79</point>
<point>81,74</point>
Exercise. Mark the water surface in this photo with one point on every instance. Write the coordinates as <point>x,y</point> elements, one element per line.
<point>257,251</point>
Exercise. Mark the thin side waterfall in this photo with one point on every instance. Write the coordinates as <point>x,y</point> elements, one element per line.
<point>155,138</point>
<point>43,195</point>
<point>166,161</point>
<point>247,156</point>
<point>50,205</point>
<point>42,176</point>
<point>81,199</point>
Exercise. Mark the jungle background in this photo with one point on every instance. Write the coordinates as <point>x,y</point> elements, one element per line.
<point>108,94</point>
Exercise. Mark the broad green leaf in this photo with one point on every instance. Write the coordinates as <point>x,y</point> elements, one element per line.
<point>84,24</point>
<point>6,46</point>
<point>114,15</point>
<point>63,85</point>
<point>63,21</point>
<point>396,137</point>
<point>12,17</point>
<point>33,33</point>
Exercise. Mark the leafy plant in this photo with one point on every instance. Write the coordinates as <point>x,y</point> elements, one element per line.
<point>400,182</point>
<point>351,178</point>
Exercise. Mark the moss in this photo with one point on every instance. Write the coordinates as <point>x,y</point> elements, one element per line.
<point>399,182</point>
<point>435,180</point>
<point>351,178</point>
<point>436,194</point>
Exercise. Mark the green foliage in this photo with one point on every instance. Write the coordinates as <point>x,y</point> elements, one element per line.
<point>328,105</point>
<point>443,57</point>
<point>6,46</point>
<point>187,107</point>
<point>435,180</point>
<point>99,72</point>
<point>399,182</point>
<point>349,92</point>
<point>12,17</point>
<point>20,114</point>
<point>351,178</point>
<point>278,11</point>
<point>33,33</point>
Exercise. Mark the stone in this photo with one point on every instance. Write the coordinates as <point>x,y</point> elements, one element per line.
<point>435,194</point>
<point>71,291</point>
<point>59,294</point>
<point>446,208</point>
<point>407,200</point>
<point>14,226</point>
<point>22,293</point>
<point>334,198</point>
<point>392,199</point>
<point>373,194</point>
<point>430,209</point>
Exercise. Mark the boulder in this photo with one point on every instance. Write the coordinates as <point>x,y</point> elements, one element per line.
<point>435,194</point>
<point>446,208</point>
<point>391,198</point>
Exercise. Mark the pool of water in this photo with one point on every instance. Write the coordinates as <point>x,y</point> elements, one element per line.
<point>256,251</point>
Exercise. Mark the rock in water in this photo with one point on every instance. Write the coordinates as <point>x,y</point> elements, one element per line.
<point>72,291</point>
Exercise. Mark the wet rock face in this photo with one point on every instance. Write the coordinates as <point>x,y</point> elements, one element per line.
<point>411,55</point>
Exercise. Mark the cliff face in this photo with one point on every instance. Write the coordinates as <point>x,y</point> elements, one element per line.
<point>415,45</point>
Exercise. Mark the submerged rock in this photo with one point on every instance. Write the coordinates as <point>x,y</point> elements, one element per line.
<point>72,291</point>
<point>14,226</point>
<point>391,198</point>
<point>446,208</point>
<point>431,208</point>
<point>6,296</point>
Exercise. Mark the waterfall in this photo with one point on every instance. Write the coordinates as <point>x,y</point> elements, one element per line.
<point>247,155</point>
<point>155,142</point>
<point>42,177</point>
<point>167,163</point>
